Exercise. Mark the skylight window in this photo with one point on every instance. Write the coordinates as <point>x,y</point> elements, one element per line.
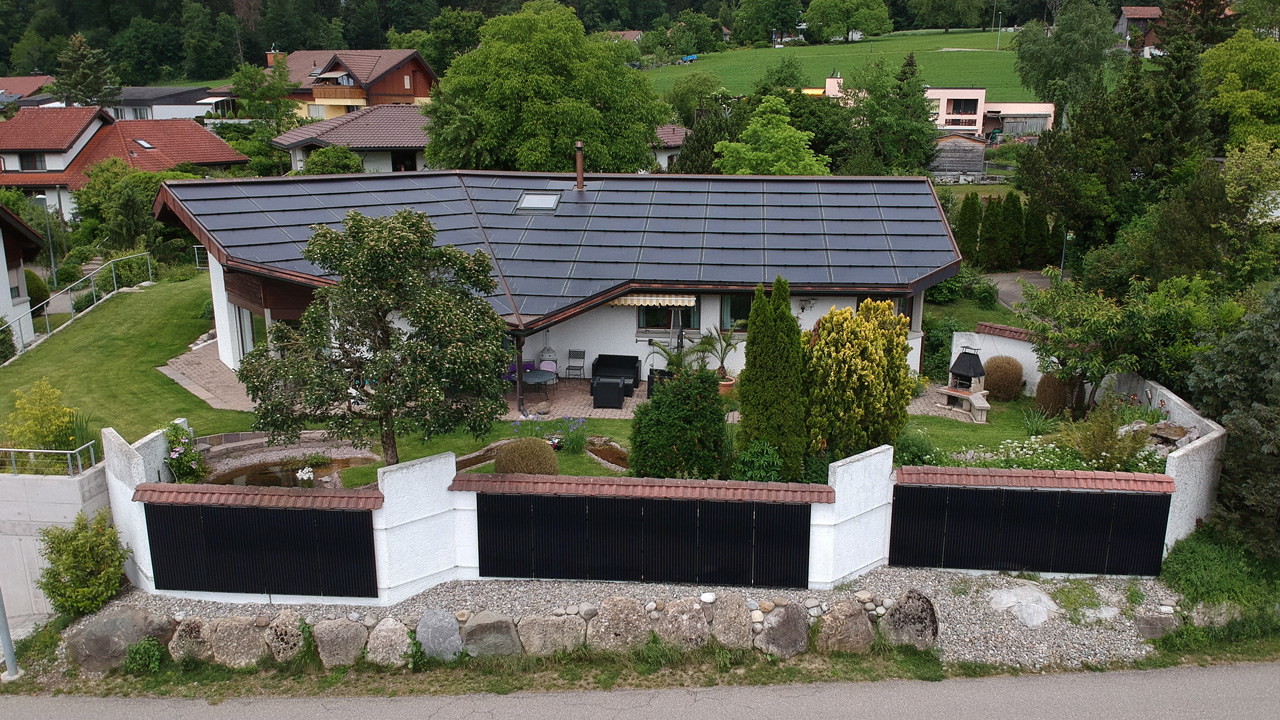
<point>144,144</point>
<point>538,202</point>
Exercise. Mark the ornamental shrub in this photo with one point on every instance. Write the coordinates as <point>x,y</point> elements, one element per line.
<point>7,348</point>
<point>528,455</point>
<point>83,302</point>
<point>39,420</point>
<point>913,447</point>
<point>143,657</point>
<point>187,464</point>
<point>1097,436</point>
<point>1004,378</point>
<point>681,432</point>
<point>857,383</point>
<point>68,273</point>
<point>1053,396</point>
<point>37,291</point>
<point>770,384</point>
<point>760,462</point>
<point>86,564</point>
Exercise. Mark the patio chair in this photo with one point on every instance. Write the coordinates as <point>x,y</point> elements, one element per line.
<point>609,393</point>
<point>577,363</point>
<point>549,366</point>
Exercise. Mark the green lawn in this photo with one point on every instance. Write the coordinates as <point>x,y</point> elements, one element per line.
<point>461,443</point>
<point>105,363</point>
<point>1004,422</point>
<point>974,63</point>
<point>969,314</point>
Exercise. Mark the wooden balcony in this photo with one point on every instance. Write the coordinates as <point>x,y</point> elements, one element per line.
<point>337,92</point>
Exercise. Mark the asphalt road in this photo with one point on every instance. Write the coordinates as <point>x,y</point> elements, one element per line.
<point>1239,692</point>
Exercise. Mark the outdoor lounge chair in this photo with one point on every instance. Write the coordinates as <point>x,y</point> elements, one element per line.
<point>626,367</point>
<point>607,392</point>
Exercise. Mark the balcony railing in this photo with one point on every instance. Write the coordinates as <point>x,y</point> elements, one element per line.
<point>961,122</point>
<point>337,92</point>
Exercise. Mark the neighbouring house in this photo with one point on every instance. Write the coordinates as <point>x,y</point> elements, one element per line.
<point>161,103</point>
<point>628,35</point>
<point>13,89</point>
<point>960,158</point>
<point>966,110</point>
<point>388,138</point>
<point>20,245</point>
<point>1139,22</point>
<point>48,150</point>
<point>670,142</point>
<point>336,82</point>
<point>609,264</point>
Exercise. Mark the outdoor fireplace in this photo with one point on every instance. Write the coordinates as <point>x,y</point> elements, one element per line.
<point>964,390</point>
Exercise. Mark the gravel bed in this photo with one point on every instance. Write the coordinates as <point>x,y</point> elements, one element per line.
<point>969,629</point>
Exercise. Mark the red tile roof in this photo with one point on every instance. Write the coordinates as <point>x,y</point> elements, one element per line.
<point>632,35</point>
<point>47,129</point>
<point>366,498</point>
<point>1038,479</point>
<point>1004,331</point>
<point>377,127</point>
<point>650,488</point>
<point>1141,13</point>
<point>171,141</point>
<point>23,85</point>
<point>672,135</point>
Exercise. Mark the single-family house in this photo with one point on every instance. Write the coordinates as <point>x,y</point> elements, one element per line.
<point>670,142</point>
<point>161,103</point>
<point>966,110</point>
<point>48,150</point>
<point>388,138</point>
<point>336,82</point>
<point>13,89</point>
<point>19,245</point>
<point>627,35</point>
<point>602,264</point>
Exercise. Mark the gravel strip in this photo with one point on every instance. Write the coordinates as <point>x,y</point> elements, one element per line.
<point>969,629</point>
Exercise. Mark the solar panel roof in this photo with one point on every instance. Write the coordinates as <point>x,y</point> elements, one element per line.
<point>832,233</point>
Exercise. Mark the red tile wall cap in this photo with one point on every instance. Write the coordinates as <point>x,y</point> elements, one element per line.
<point>651,488</point>
<point>1006,331</point>
<point>368,498</point>
<point>1098,480</point>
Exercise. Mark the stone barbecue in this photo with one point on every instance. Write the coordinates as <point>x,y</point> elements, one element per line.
<point>964,390</point>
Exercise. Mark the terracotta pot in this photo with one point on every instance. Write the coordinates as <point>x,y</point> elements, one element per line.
<point>726,386</point>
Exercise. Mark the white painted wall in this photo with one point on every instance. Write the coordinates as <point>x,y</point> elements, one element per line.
<point>226,318</point>
<point>373,160</point>
<point>989,346</point>
<point>178,112</point>
<point>128,466</point>
<point>15,310</point>
<point>29,503</point>
<point>665,156</point>
<point>423,534</point>
<point>851,536</point>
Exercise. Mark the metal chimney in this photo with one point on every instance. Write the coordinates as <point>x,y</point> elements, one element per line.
<point>578,165</point>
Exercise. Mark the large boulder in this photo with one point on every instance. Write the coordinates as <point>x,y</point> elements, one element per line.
<point>284,636</point>
<point>339,642</point>
<point>544,634</point>
<point>911,621</point>
<point>438,635</point>
<point>388,643</point>
<point>192,639</point>
<point>1032,606</point>
<point>238,642</point>
<point>620,624</point>
<point>1151,627</point>
<point>732,624</point>
<point>488,633</point>
<point>845,628</point>
<point>100,643</point>
<point>785,631</point>
<point>684,624</point>
<point>1215,615</point>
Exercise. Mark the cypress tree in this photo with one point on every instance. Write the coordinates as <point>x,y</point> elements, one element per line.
<point>1057,241</point>
<point>789,435</point>
<point>1011,220</point>
<point>990,250</point>
<point>968,220</point>
<point>1035,255</point>
<point>753,396</point>
<point>770,384</point>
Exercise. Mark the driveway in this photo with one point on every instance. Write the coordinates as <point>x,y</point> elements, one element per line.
<point>1008,287</point>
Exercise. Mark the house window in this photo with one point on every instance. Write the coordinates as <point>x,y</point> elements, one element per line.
<point>734,308</point>
<point>141,113</point>
<point>315,112</point>
<point>402,160</point>
<point>408,83</point>
<point>117,112</point>
<point>661,318</point>
<point>31,161</point>
<point>967,106</point>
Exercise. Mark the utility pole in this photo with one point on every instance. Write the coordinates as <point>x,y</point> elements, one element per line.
<point>993,16</point>
<point>11,671</point>
<point>999,30</point>
<point>48,234</point>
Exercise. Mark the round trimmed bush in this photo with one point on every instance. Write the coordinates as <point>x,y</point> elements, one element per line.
<point>1053,395</point>
<point>1004,378</point>
<point>37,290</point>
<point>529,455</point>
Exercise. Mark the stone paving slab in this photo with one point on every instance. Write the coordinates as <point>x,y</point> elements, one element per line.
<point>202,373</point>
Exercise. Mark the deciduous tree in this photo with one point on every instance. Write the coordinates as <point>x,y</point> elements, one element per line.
<point>947,14</point>
<point>691,93</point>
<point>828,19</point>
<point>1245,87</point>
<point>770,146</point>
<point>1066,66</point>
<point>332,160</point>
<point>403,342</point>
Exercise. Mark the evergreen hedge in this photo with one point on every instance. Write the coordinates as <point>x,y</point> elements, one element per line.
<point>770,386</point>
<point>681,432</point>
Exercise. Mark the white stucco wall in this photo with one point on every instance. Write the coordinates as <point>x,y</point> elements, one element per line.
<point>178,112</point>
<point>29,503</point>
<point>851,536</point>
<point>989,346</point>
<point>226,319</point>
<point>127,467</point>
<point>423,534</point>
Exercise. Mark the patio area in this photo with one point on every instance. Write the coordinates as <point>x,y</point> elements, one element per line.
<point>571,397</point>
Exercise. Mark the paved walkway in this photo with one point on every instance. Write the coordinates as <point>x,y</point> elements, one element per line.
<point>203,375</point>
<point>933,402</point>
<point>1009,290</point>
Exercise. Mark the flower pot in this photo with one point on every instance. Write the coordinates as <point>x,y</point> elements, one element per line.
<point>726,386</point>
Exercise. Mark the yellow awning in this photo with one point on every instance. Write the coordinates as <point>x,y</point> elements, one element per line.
<point>652,300</point>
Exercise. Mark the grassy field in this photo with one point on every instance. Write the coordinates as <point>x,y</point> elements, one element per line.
<point>969,314</point>
<point>960,58</point>
<point>105,363</point>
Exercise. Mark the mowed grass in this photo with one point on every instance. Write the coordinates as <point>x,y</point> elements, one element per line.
<point>105,363</point>
<point>1004,422</point>
<point>974,62</point>
<point>969,314</point>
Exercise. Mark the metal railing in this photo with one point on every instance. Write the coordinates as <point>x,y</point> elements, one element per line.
<point>201,252</point>
<point>91,282</point>
<point>30,464</point>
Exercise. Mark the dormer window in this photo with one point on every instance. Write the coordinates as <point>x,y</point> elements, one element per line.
<point>31,162</point>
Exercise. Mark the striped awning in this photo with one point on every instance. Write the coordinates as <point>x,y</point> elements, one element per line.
<point>652,300</point>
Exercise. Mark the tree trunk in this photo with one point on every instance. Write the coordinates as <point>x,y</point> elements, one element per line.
<point>390,453</point>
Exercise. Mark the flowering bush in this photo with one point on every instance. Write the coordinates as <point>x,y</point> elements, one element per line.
<point>566,433</point>
<point>185,462</point>
<point>1039,453</point>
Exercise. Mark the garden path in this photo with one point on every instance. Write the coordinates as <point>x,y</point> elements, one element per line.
<point>203,375</point>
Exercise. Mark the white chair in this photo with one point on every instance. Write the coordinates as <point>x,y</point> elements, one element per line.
<point>549,366</point>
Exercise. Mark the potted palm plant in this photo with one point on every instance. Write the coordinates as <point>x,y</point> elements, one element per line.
<point>719,345</point>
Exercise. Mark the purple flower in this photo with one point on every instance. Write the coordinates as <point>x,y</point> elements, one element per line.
<point>174,454</point>
<point>193,464</point>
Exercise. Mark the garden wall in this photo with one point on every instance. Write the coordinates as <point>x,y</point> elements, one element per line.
<point>851,536</point>
<point>29,503</point>
<point>129,466</point>
<point>991,340</point>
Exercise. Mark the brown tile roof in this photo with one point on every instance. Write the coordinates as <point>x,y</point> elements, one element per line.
<point>632,35</point>
<point>171,141</point>
<point>650,488</point>
<point>366,66</point>
<point>377,127</point>
<point>672,135</point>
<point>1141,13</point>
<point>47,129</point>
<point>23,85</point>
<point>366,498</point>
<point>1004,331</point>
<point>1038,479</point>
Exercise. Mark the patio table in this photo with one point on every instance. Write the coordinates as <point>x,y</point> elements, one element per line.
<point>539,377</point>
